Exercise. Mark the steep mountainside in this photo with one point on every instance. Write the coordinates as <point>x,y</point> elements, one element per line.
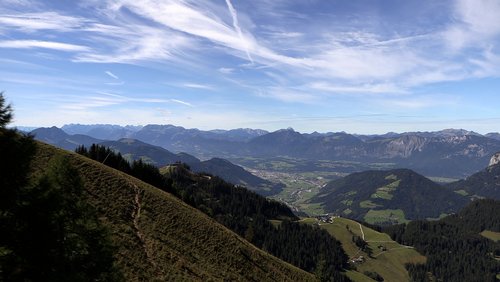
<point>388,197</point>
<point>59,138</point>
<point>159,237</point>
<point>134,149</point>
<point>485,183</point>
<point>457,156</point>
<point>454,248</point>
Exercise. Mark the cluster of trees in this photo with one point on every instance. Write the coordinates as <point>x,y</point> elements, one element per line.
<point>139,169</point>
<point>375,276</point>
<point>243,211</point>
<point>454,248</point>
<point>49,233</point>
<point>362,244</point>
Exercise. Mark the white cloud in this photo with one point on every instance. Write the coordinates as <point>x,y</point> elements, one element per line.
<point>120,41</point>
<point>180,16</point>
<point>104,99</point>
<point>236,26</point>
<point>418,102</point>
<point>382,88</point>
<point>226,70</point>
<point>41,21</point>
<point>134,43</point>
<point>476,24</point>
<point>111,75</point>
<point>181,102</point>
<point>198,86</point>
<point>28,44</point>
<point>288,95</point>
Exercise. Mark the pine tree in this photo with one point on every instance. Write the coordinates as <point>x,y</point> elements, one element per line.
<point>5,112</point>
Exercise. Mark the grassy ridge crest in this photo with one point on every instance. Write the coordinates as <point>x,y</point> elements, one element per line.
<point>160,237</point>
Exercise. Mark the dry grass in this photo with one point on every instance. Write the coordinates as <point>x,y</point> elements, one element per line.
<point>178,242</point>
<point>494,236</point>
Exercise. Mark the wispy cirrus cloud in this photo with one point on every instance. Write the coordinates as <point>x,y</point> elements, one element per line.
<point>181,102</point>
<point>29,44</point>
<point>109,73</point>
<point>382,88</point>
<point>42,21</point>
<point>348,54</point>
<point>236,25</point>
<point>105,99</point>
<point>226,70</point>
<point>134,43</point>
<point>418,102</point>
<point>121,41</point>
<point>198,86</point>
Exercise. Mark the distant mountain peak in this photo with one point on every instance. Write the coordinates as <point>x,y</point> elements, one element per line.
<point>457,132</point>
<point>288,129</point>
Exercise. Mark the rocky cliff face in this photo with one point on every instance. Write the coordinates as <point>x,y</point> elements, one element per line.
<point>495,159</point>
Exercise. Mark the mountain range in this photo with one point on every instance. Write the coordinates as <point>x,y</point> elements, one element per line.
<point>448,153</point>
<point>133,149</point>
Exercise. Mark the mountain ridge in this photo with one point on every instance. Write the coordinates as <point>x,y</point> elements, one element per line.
<point>134,149</point>
<point>175,241</point>
<point>388,196</point>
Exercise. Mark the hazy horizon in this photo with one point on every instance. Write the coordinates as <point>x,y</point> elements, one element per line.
<point>215,129</point>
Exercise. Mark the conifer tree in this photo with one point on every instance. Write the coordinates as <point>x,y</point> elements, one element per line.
<point>5,112</point>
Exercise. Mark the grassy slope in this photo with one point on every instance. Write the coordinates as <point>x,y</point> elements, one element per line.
<point>494,236</point>
<point>165,238</point>
<point>389,264</point>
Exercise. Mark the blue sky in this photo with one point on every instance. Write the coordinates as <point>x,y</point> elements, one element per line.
<point>368,66</point>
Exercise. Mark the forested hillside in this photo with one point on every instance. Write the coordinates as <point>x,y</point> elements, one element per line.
<point>485,183</point>
<point>454,248</point>
<point>387,197</point>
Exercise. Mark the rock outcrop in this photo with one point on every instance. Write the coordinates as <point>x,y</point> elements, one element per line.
<point>495,159</point>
